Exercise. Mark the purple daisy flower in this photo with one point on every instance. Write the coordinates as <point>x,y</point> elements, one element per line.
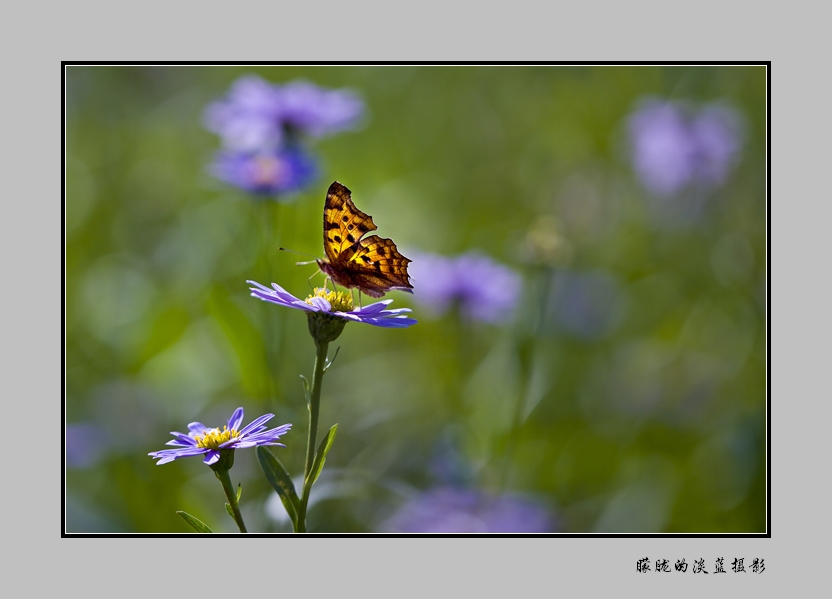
<point>248,118</point>
<point>483,289</point>
<point>336,303</point>
<point>674,147</point>
<point>317,111</point>
<point>257,115</point>
<point>210,441</point>
<point>265,173</point>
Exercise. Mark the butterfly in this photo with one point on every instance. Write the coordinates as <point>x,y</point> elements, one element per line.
<point>372,264</point>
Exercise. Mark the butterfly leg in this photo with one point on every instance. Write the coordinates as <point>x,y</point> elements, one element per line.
<point>309,280</point>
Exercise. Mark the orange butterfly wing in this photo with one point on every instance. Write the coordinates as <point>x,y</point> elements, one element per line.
<point>373,264</point>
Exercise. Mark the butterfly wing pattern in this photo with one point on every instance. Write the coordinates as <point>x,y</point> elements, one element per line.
<point>373,264</point>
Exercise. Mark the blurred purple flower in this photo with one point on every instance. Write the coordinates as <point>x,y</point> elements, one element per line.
<point>266,172</point>
<point>674,147</point>
<point>262,125</point>
<point>248,119</point>
<point>202,440</point>
<point>456,510</point>
<point>257,115</point>
<point>374,314</point>
<point>317,111</point>
<point>483,289</point>
<point>86,444</point>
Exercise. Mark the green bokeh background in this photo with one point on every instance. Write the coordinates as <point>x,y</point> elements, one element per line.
<point>657,424</point>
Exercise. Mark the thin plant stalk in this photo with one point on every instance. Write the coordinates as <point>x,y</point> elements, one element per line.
<point>314,412</point>
<point>225,479</point>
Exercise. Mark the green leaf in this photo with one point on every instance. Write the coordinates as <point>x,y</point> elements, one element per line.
<point>230,511</point>
<point>305,388</point>
<point>198,524</point>
<point>320,457</point>
<point>281,481</point>
<point>329,362</point>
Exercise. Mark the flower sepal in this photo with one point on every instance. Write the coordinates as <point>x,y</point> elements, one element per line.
<point>324,327</point>
<point>225,462</point>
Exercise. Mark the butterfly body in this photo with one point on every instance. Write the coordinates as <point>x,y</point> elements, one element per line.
<point>372,264</point>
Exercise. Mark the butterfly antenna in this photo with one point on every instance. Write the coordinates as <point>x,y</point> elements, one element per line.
<point>300,254</point>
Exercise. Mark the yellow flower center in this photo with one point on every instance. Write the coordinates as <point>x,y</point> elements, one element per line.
<point>339,300</point>
<point>213,438</point>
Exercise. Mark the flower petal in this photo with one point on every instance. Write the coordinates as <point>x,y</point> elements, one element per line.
<point>168,455</point>
<point>246,444</point>
<point>271,434</point>
<point>280,296</point>
<point>373,308</point>
<point>181,439</point>
<point>236,419</point>
<point>256,424</point>
<point>320,304</point>
<point>396,322</point>
<point>212,457</point>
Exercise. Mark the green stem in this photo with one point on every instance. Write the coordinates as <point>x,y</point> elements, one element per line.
<point>225,479</point>
<point>314,412</point>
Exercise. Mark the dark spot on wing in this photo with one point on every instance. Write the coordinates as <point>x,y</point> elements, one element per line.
<point>336,238</point>
<point>350,238</point>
